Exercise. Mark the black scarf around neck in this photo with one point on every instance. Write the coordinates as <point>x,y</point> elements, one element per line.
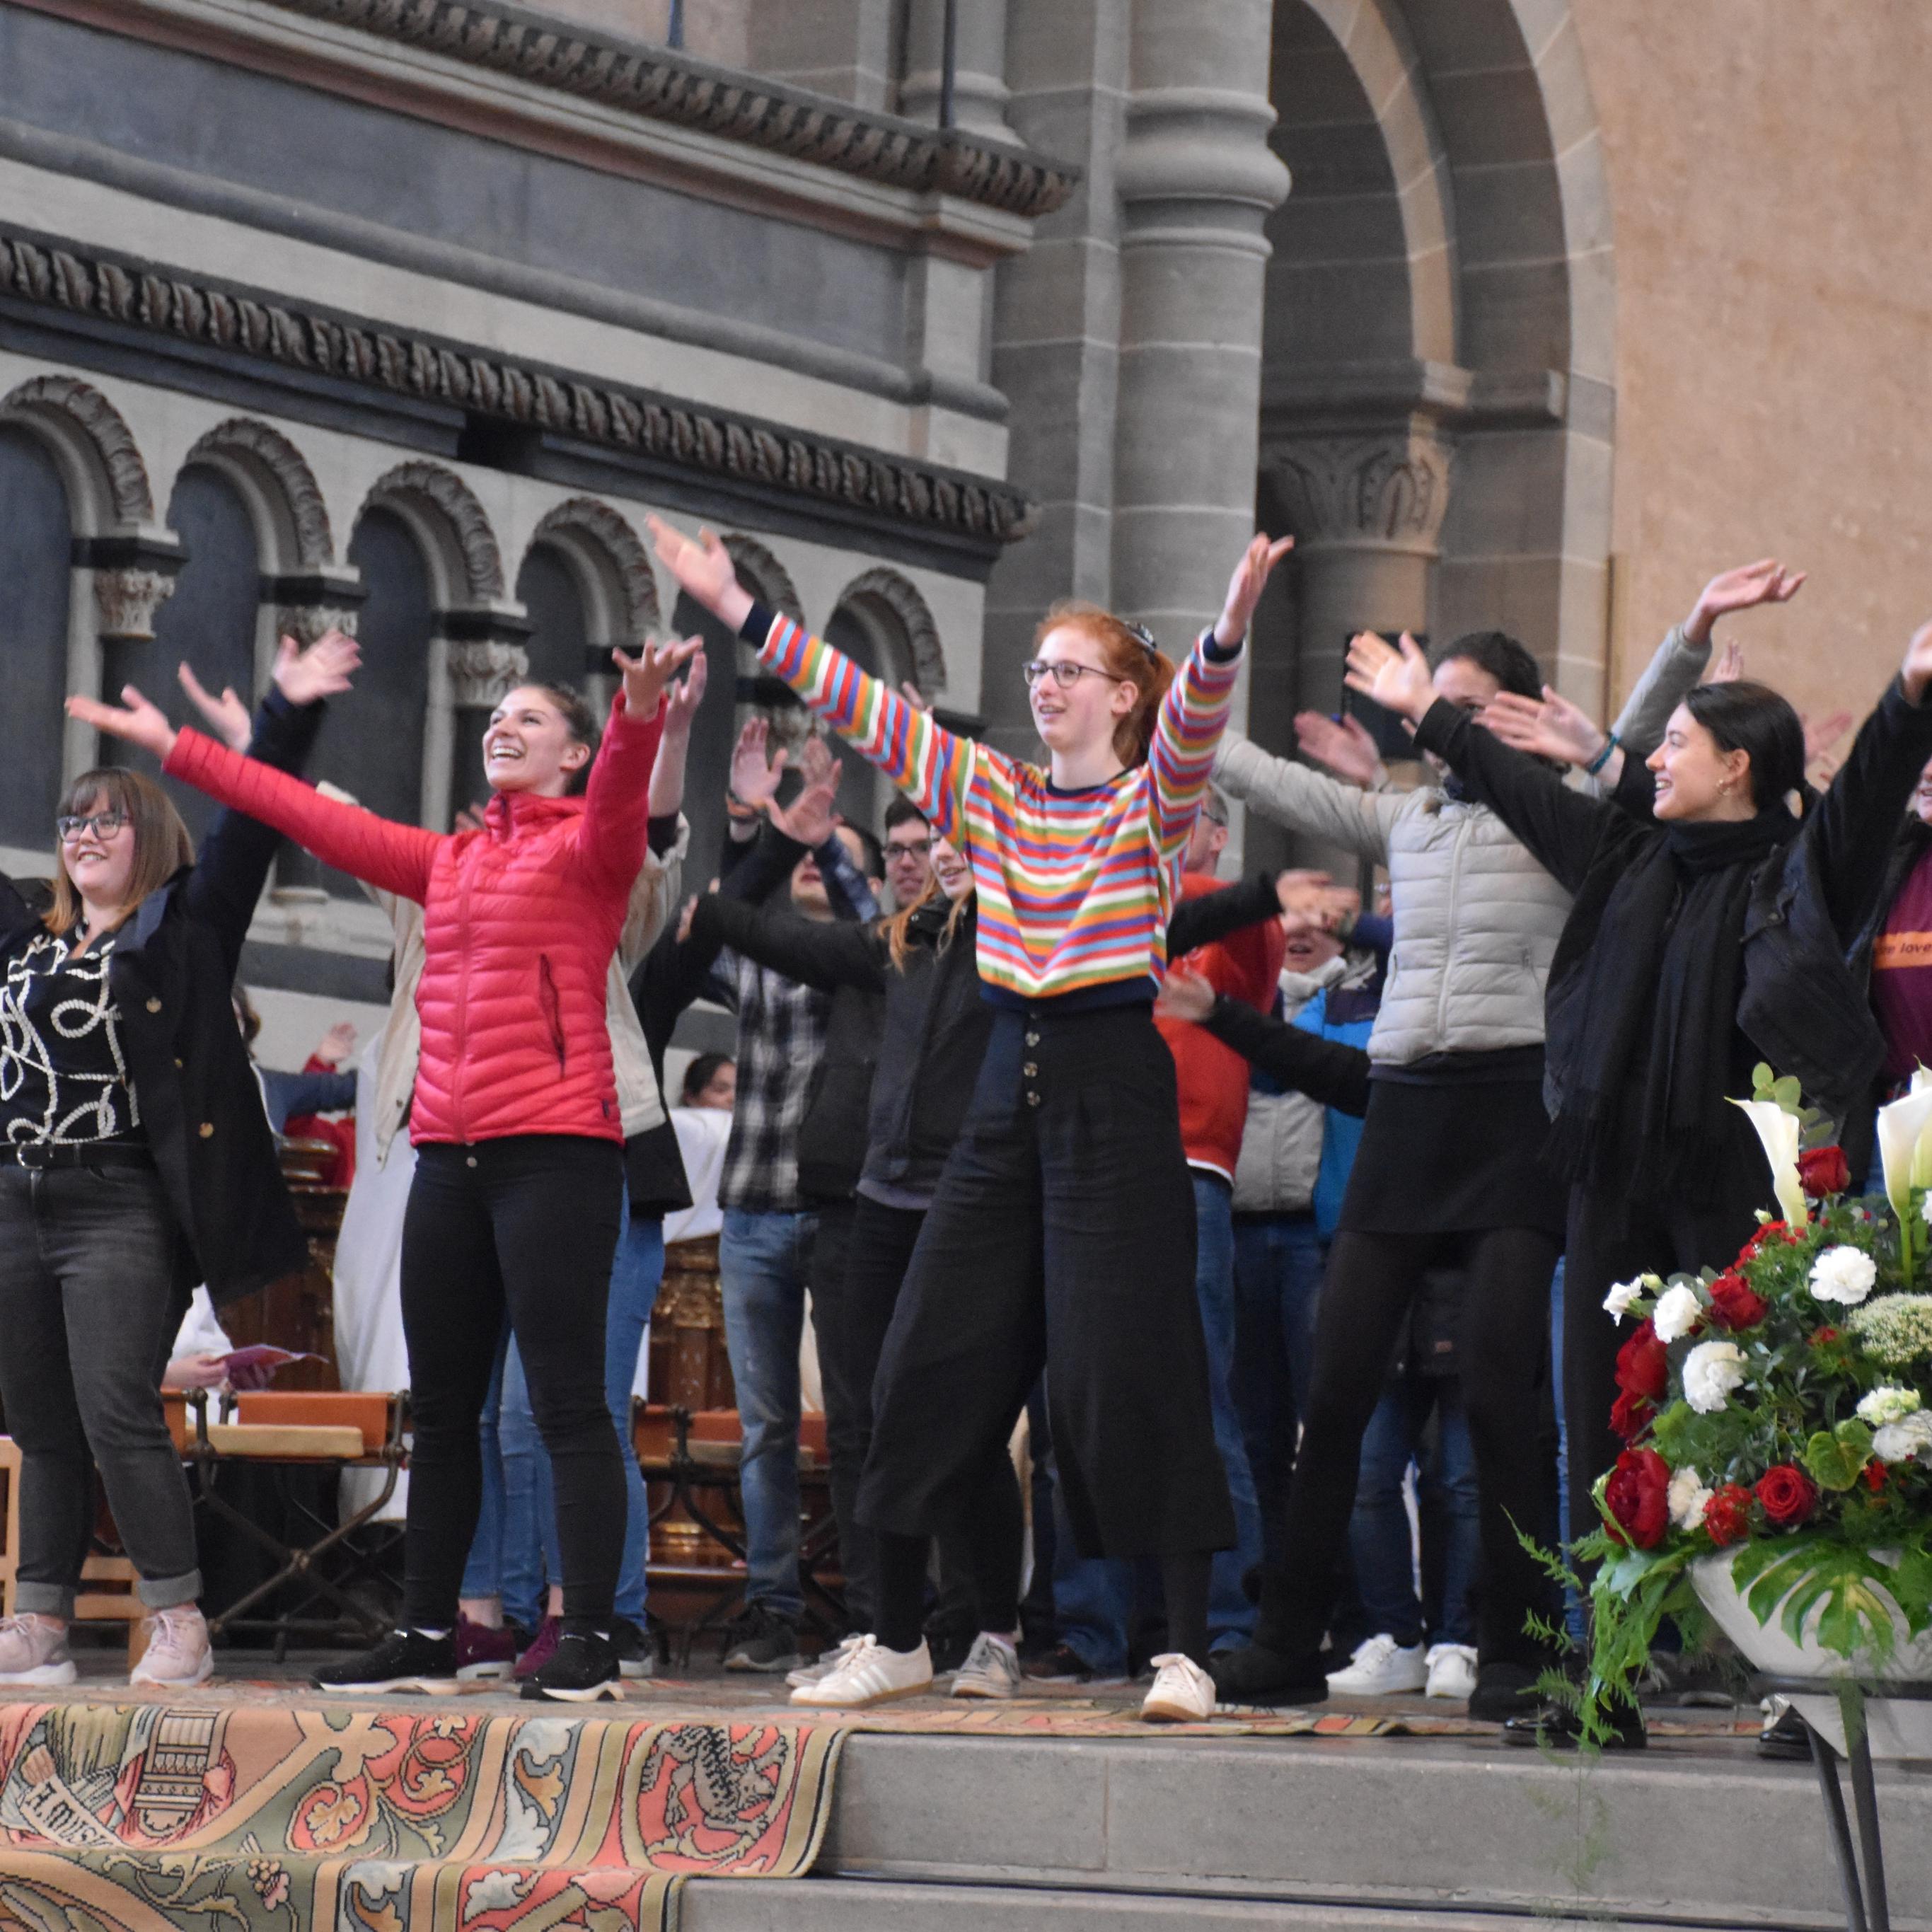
<point>1666,962</point>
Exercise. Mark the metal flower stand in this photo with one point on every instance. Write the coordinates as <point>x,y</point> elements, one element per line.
<point>1844,1721</point>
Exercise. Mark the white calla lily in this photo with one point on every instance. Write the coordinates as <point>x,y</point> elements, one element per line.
<point>1777,1132</point>
<point>1902,1131</point>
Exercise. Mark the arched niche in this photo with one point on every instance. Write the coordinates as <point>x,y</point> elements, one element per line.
<point>36,533</point>
<point>612,588</point>
<point>886,627</point>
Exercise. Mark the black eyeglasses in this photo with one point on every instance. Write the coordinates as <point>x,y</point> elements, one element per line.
<point>1066,673</point>
<point>909,848</point>
<point>104,825</point>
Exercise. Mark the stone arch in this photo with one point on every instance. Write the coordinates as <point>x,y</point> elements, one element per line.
<point>883,596</point>
<point>612,565</point>
<point>453,526</point>
<point>763,575</point>
<point>279,487</point>
<point>107,480</point>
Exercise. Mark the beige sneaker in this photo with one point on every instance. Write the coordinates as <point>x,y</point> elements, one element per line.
<point>33,1650</point>
<point>1183,1693</point>
<point>178,1656</point>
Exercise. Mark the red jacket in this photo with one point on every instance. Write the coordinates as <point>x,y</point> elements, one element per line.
<point>520,921</point>
<point>1213,1079</point>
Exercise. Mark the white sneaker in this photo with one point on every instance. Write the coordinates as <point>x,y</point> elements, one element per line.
<point>871,1674</point>
<point>178,1656</point>
<point>1452,1670</point>
<point>824,1664</point>
<point>1183,1693</point>
<point>1380,1668</point>
<point>991,1669</point>
<point>33,1650</point>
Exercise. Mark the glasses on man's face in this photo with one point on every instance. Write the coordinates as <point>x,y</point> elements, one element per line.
<point>909,848</point>
<point>1066,673</point>
<point>103,824</point>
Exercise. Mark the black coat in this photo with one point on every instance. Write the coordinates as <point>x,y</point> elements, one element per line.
<point>171,973</point>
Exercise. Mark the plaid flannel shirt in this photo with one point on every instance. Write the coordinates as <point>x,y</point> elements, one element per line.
<point>780,1039</point>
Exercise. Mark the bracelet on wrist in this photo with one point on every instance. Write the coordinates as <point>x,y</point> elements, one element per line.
<point>1603,758</point>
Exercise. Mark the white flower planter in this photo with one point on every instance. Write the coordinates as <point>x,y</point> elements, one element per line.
<point>1767,1646</point>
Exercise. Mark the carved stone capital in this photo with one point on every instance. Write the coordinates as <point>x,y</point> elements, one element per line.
<point>305,622</point>
<point>483,669</point>
<point>1389,489</point>
<point>125,600</point>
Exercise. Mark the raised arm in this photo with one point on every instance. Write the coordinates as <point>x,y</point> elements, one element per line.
<point>1562,828</point>
<point>1305,800</point>
<point>924,759</point>
<point>615,833</point>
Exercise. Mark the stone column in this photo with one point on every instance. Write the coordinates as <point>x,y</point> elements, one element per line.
<point>128,577</point>
<point>484,659</point>
<point>1196,181</point>
<point>979,93</point>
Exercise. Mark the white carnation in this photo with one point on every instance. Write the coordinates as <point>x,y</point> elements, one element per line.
<point>1900,1441</point>
<point>1710,1371</point>
<point>1889,1403</point>
<point>1687,1497</point>
<point>1618,1301</point>
<point>1844,1273</point>
<point>1678,1312</point>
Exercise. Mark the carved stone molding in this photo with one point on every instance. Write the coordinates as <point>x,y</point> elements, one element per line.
<point>126,599</point>
<point>660,85</point>
<point>305,622</point>
<point>612,534</point>
<point>1383,490</point>
<point>85,409</point>
<point>914,617</point>
<point>766,578</point>
<point>702,443</point>
<point>456,504</point>
<point>483,669</point>
<point>271,450</point>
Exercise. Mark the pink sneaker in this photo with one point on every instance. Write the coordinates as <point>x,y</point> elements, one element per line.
<point>33,1651</point>
<point>178,1656</point>
<point>482,1652</point>
<point>543,1647</point>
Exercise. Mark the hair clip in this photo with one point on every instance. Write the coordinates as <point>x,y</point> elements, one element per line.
<point>1144,636</point>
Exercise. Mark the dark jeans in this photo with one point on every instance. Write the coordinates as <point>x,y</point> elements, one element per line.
<point>1372,1280</point>
<point>527,1225</point>
<point>1278,1262</point>
<point>87,1312</point>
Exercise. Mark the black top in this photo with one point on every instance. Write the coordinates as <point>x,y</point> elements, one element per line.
<point>63,1073</point>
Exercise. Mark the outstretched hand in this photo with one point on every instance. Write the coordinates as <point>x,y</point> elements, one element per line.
<point>646,674</point>
<point>1398,680</point>
<point>754,776</point>
<point>1344,744</point>
<point>704,568</point>
<point>1549,727</point>
<point>1313,899</point>
<point>810,816</point>
<point>1246,586</point>
<point>1185,995</point>
<point>227,716</point>
<point>337,1045</point>
<point>324,670</point>
<point>1766,581</point>
<point>134,719</point>
<point>687,694</point>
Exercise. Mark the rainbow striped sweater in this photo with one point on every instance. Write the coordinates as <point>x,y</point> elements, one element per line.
<point>1074,887</point>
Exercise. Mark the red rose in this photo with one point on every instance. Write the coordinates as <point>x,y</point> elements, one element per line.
<point>1788,1494</point>
<point>1643,1364</point>
<point>1823,1171</point>
<point>1820,1336</point>
<point>1637,1499</point>
<point>1630,1415</point>
<point>1873,1473</point>
<point>1734,1304</point>
<point>1727,1514</point>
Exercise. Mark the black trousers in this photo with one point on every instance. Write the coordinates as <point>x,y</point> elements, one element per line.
<point>1613,1238</point>
<point>526,1225</point>
<point>1061,1234</point>
<point>1503,1347</point>
<point>979,1557</point>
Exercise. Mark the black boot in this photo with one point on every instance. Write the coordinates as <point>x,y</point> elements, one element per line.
<point>1559,1727</point>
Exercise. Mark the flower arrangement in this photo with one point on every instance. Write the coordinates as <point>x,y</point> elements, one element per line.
<point>1780,1408</point>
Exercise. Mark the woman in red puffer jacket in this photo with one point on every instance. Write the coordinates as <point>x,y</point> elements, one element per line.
<point>515,1202</point>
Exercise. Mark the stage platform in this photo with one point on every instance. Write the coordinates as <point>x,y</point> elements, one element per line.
<point>256,1805</point>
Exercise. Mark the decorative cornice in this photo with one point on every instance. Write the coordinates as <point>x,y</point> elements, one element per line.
<point>701,442</point>
<point>660,85</point>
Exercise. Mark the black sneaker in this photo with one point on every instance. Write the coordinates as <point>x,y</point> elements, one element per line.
<point>637,1654</point>
<point>405,1660</point>
<point>583,1668</point>
<point>1062,1664</point>
<point>762,1640</point>
<point>1256,1674</point>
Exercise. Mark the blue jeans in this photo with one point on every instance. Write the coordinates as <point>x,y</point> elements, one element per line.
<point>1093,1597</point>
<point>1379,1538</point>
<point>518,1496</point>
<point>764,1261</point>
<point>1279,1260</point>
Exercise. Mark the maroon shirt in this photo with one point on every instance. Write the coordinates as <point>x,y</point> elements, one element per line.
<point>1901,979</point>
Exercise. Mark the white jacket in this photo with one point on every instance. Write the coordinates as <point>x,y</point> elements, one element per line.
<point>1477,919</point>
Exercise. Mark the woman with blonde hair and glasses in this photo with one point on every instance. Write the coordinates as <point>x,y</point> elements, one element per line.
<point>1061,1230</point>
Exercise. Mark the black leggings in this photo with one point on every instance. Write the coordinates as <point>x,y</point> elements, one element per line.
<point>1503,1347</point>
<point>527,1225</point>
